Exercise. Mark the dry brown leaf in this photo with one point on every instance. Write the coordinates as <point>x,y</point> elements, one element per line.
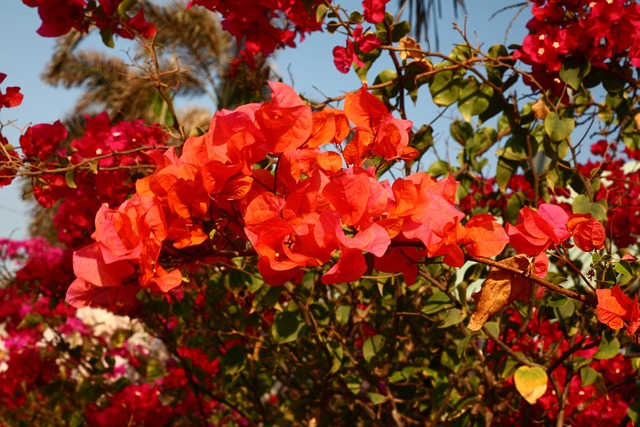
<point>411,49</point>
<point>540,109</point>
<point>500,289</point>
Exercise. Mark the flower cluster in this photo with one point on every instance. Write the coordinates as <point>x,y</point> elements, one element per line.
<point>110,16</point>
<point>212,198</point>
<point>262,26</point>
<point>602,32</point>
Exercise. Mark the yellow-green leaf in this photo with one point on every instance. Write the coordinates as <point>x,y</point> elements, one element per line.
<point>531,382</point>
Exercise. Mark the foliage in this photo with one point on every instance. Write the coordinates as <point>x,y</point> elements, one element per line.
<point>273,269</point>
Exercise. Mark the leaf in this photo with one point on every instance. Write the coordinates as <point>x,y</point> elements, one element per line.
<point>376,398</point>
<point>624,268</point>
<point>474,99</point>
<point>573,71</point>
<point>500,289</point>
<point>607,349</point>
<point>444,88</point>
<point>453,317</point>
<point>558,129</point>
<point>437,302</point>
<point>504,172</point>
<point>531,382</point>
<point>233,359</point>
<point>582,205</point>
<point>342,314</point>
<point>372,347</point>
<point>70,178</point>
<point>588,376</point>
<point>286,327</point>
<point>337,353</point>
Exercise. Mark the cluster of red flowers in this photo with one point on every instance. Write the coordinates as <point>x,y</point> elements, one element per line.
<point>594,30</point>
<point>585,403</point>
<point>10,98</point>
<point>262,26</point>
<point>110,16</point>
<point>112,150</point>
<point>620,190</point>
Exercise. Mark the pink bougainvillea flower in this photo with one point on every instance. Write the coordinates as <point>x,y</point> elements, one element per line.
<point>535,231</point>
<point>374,10</point>
<point>43,140</point>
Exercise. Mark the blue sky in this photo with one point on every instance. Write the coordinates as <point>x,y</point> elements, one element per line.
<point>307,68</point>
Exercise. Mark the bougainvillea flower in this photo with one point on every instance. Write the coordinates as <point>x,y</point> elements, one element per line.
<point>119,299</point>
<point>12,96</point>
<point>485,237</point>
<point>616,310</point>
<point>90,266</point>
<point>374,10</point>
<point>43,140</point>
<point>535,231</point>
<point>345,56</point>
<point>122,231</point>
<point>285,121</point>
<point>60,16</point>
<point>349,268</point>
<point>329,126</point>
<point>152,273</point>
<point>588,233</point>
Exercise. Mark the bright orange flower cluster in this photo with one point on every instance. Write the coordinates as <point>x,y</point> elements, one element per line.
<point>617,310</point>
<point>221,198</point>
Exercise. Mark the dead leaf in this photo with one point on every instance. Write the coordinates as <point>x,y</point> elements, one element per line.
<point>540,109</point>
<point>410,49</point>
<point>500,289</point>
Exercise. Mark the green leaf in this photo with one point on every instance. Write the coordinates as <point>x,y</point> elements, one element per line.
<point>354,383</point>
<point>607,349</point>
<point>445,88</point>
<point>558,129</point>
<point>588,376</point>
<point>558,300</point>
<point>437,302</point>
<point>125,6</point>
<point>439,168</point>
<point>343,313</point>
<point>70,178</point>
<point>633,411</point>
<point>505,171</point>
<point>385,76</point>
<point>400,30</point>
<point>107,37</point>
<point>582,205</point>
<point>573,71</point>
<point>372,347</point>
<point>286,327</point>
<point>376,398</point>
<point>321,12</point>
<point>453,317</point>
<point>473,99</point>
<point>531,382</point>
<point>233,360</point>
<point>624,268</point>
<point>461,131</point>
<point>515,149</point>
<point>337,353</point>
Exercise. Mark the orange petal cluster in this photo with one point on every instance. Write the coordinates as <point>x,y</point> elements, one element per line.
<point>216,199</point>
